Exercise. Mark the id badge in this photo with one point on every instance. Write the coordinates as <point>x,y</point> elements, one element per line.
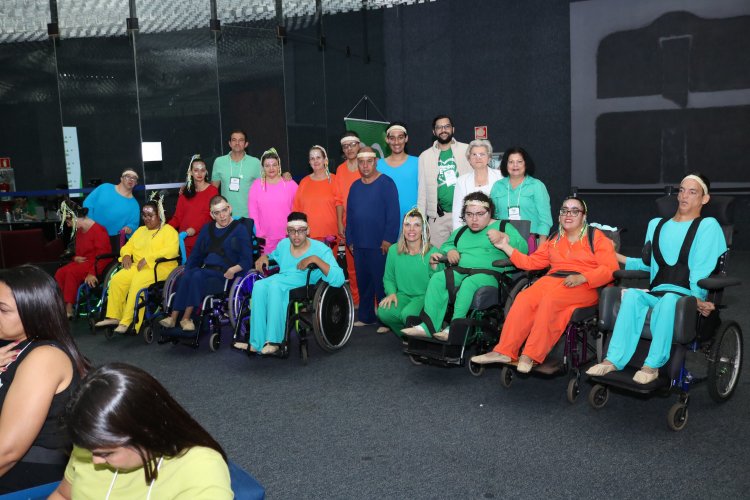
<point>514,213</point>
<point>450,177</point>
<point>234,184</point>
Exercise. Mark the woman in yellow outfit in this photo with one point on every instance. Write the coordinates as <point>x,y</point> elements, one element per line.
<point>153,240</point>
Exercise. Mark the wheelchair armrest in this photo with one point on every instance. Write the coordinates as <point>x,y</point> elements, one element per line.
<point>685,320</point>
<point>161,260</point>
<point>609,306</point>
<point>715,283</point>
<point>622,274</point>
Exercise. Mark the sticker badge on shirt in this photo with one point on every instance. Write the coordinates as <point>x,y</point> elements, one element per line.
<point>234,184</point>
<point>514,213</point>
<point>450,177</point>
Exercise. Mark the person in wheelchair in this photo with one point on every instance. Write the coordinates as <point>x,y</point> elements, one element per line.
<point>138,256</point>
<point>540,313</point>
<point>222,250</point>
<point>693,244</point>
<point>271,295</point>
<point>91,240</point>
<point>470,253</point>
<point>407,273</point>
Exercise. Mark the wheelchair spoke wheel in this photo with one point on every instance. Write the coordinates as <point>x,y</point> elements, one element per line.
<point>598,396</point>
<point>170,286</point>
<point>725,362</point>
<point>148,334</point>
<point>333,316</point>
<point>574,389</point>
<point>677,417</point>
<point>506,376</point>
<point>214,342</point>
<point>520,285</point>
<point>239,295</point>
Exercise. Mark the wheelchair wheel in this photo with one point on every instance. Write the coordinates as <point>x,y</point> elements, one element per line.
<point>598,396</point>
<point>506,376</point>
<point>109,332</point>
<point>240,292</point>
<point>333,316</point>
<point>415,360</point>
<point>148,334</point>
<point>475,369</point>
<point>521,285</point>
<point>574,389</point>
<point>677,417</point>
<point>725,362</point>
<point>92,328</point>
<point>170,287</point>
<point>214,341</point>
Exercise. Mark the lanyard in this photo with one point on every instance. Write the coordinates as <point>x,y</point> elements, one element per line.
<point>232,163</point>
<point>520,187</point>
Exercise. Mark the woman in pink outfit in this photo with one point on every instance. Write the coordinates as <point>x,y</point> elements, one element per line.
<point>270,201</point>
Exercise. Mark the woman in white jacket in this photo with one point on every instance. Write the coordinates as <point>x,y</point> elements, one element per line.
<point>481,178</point>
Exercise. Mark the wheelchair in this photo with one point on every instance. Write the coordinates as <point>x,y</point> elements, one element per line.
<point>579,345</point>
<point>324,310</point>
<point>89,299</point>
<point>480,330</point>
<point>718,341</point>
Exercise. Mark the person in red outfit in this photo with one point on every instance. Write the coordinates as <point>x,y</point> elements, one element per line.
<point>192,211</point>
<point>91,239</point>
<point>540,313</point>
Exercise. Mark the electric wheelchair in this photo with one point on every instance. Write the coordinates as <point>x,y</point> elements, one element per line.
<point>480,330</point>
<point>580,343</point>
<point>718,341</point>
<point>318,308</point>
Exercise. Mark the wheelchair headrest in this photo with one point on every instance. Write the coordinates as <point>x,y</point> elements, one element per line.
<point>522,226</point>
<point>719,207</point>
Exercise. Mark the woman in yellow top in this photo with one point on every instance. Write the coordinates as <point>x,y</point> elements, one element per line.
<point>152,241</point>
<point>133,440</point>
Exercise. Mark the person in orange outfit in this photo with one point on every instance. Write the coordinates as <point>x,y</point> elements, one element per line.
<point>316,197</point>
<point>346,174</point>
<point>540,313</point>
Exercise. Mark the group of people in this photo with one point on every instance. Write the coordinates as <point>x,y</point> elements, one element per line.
<point>427,234</point>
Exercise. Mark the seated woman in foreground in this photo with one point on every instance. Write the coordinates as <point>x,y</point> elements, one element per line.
<point>133,440</point>
<point>407,273</point>
<point>41,366</point>
<point>540,313</point>
<point>473,252</point>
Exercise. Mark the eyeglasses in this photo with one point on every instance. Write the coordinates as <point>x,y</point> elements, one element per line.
<point>443,127</point>
<point>350,145</point>
<point>133,178</point>
<point>479,155</point>
<point>296,232</point>
<point>475,215</point>
<point>575,212</point>
<point>219,211</point>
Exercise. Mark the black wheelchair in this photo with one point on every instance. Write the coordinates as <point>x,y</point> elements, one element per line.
<point>718,341</point>
<point>324,310</point>
<point>480,330</point>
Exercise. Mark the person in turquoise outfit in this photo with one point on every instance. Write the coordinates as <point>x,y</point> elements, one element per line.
<point>519,196</point>
<point>470,249</point>
<point>693,244</point>
<point>407,273</point>
<point>271,295</point>
<point>235,172</point>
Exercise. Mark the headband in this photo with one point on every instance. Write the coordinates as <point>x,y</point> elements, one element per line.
<point>297,224</point>
<point>128,170</point>
<point>189,179</point>
<point>348,139</point>
<point>366,154</point>
<point>396,127</point>
<point>698,180</point>
<point>159,200</point>
<point>477,202</point>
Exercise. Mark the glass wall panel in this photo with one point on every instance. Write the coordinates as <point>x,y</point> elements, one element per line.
<point>179,102</point>
<point>251,89</point>
<point>98,98</point>
<point>30,128</point>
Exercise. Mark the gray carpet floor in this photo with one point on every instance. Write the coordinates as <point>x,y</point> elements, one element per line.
<point>366,423</point>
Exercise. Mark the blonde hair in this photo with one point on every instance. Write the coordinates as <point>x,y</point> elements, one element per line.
<point>402,248</point>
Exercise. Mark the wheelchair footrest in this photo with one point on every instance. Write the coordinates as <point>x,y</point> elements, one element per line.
<point>550,367</point>
<point>623,379</point>
<point>434,351</point>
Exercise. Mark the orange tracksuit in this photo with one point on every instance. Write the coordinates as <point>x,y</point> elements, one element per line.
<point>540,313</point>
<point>344,180</point>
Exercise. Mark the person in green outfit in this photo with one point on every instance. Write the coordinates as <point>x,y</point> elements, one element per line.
<point>471,250</point>
<point>519,196</point>
<point>407,273</point>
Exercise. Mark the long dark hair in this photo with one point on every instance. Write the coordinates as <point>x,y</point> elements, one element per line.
<point>529,163</point>
<point>40,306</point>
<point>121,405</point>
